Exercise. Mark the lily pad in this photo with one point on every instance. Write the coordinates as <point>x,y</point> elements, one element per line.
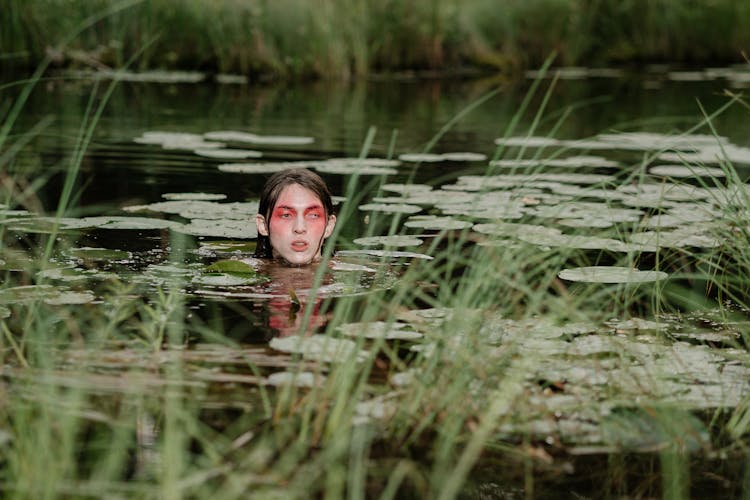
<point>70,298</point>
<point>611,274</point>
<point>194,196</point>
<point>227,154</point>
<point>231,266</point>
<point>4,312</point>
<point>391,208</point>
<point>228,280</point>
<point>421,157</point>
<point>319,348</point>
<point>271,140</point>
<point>27,293</point>
<point>389,241</point>
<point>296,379</point>
<point>406,188</point>
<point>379,330</point>
<point>436,223</point>
<point>106,254</point>
<point>63,274</point>
<point>529,141</point>
<point>239,229</point>
<point>385,253</point>
<point>686,171</point>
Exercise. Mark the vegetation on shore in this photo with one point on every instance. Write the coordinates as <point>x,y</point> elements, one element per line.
<point>338,39</point>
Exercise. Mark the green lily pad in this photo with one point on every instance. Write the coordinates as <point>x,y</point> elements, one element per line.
<point>63,274</point>
<point>319,348</point>
<point>610,274</point>
<point>70,298</point>
<point>194,196</point>
<point>389,241</point>
<point>221,228</point>
<point>681,171</point>
<point>391,208</point>
<point>227,154</point>
<point>27,293</point>
<point>271,140</point>
<point>221,280</point>
<point>106,254</point>
<point>379,330</point>
<point>436,223</point>
<point>4,312</point>
<point>231,266</point>
<point>296,379</point>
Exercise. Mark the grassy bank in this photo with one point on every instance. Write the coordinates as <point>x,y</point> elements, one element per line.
<point>345,38</point>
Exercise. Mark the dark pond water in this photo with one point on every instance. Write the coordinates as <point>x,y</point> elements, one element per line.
<point>127,172</point>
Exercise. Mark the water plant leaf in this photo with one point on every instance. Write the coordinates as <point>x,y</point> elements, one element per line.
<point>270,140</point>
<point>227,154</point>
<point>221,228</point>
<point>296,379</point>
<point>385,253</point>
<point>4,312</point>
<point>63,274</point>
<point>319,348</point>
<point>391,208</point>
<point>231,266</point>
<point>685,171</point>
<point>652,429</point>
<point>406,189</point>
<point>70,298</point>
<point>379,330</point>
<point>106,254</point>
<point>194,196</point>
<point>201,209</point>
<point>389,241</point>
<point>610,274</point>
<point>27,293</point>
<point>227,280</point>
<point>436,223</point>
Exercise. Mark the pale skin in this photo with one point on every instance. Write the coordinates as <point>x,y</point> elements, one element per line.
<point>297,227</point>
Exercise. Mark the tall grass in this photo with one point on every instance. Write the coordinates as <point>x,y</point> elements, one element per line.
<point>338,39</point>
<point>71,427</point>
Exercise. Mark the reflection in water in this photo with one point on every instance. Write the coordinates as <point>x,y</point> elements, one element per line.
<point>293,292</point>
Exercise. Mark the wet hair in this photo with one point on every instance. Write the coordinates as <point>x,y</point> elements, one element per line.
<point>272,190</point>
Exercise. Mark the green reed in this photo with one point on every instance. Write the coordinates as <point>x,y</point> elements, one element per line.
<point>338,39</point>
<point>71,434</point>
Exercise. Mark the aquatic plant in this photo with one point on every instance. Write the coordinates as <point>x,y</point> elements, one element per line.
<point>340,39</point>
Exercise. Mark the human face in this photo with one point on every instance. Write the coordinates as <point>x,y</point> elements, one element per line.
<point>298,225</point>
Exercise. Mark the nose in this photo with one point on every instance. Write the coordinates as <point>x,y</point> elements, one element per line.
<point>299,225</point>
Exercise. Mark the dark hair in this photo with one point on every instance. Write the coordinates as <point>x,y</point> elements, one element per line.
<point>272,190</point>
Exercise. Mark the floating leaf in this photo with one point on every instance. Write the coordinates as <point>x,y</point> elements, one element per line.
<point>319,348</point>
<point>276,140</point>
<point>194,196</point>
<point>28,293</point>
<point>385,253</point>
<point>221,280</point>
<point>239,229</point>
<point>379,330</point>
<point>296,379</point>
<point>436,223</point>
<point>686,171</point>
<point>391,208</point>
<point>4,312</point>
<point>227,154</point>
<point>70,298</point>
<point>89,253</point>
<point>610,274</point>
<point>389,241</point>
<point>231,266</point>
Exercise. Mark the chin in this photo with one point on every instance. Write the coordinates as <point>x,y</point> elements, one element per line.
<point>298,260</point>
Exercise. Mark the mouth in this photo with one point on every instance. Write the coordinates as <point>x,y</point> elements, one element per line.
<point>299,246</point>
